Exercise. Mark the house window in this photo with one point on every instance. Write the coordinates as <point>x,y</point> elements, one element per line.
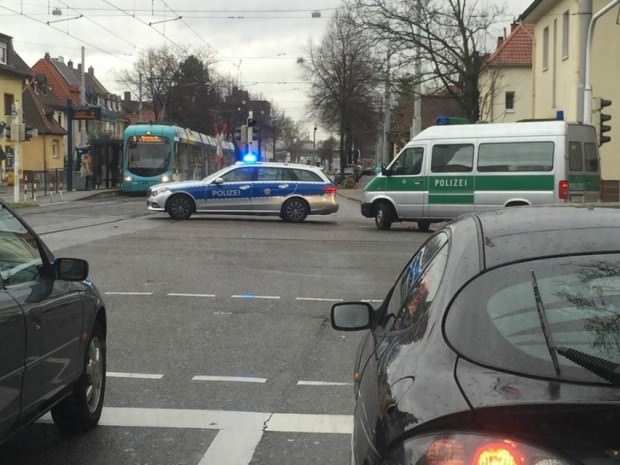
<point>510,101</point>
<point>9,99</point>
<point>3,53</point>
<point>545,57</point>
<point>565,32</point>
<point>55,148</point>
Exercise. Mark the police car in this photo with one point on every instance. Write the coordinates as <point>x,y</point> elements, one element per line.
<point>290,191</point>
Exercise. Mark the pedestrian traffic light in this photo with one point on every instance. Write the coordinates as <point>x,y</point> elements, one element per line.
<point>604,118</point>
<point>251,122</point>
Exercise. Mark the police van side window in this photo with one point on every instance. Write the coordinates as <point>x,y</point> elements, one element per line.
<point>575,156</point>
<point>591,157</point>
<point>409,161</point>
<point>452,158</point>
<point>515,156</point>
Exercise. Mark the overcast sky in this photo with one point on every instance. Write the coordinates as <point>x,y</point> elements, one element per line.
<point>257,42</point>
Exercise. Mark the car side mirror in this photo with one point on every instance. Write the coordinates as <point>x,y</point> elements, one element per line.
<point>71,269</point>
<point>351,316</point>
<point>385,171</point>
<point>218,181</point>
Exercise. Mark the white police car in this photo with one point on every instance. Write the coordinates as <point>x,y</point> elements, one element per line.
<point>290,191</point>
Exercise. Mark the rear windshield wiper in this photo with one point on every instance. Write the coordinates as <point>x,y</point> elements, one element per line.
<point>544,324</point>
<point>606,369</point>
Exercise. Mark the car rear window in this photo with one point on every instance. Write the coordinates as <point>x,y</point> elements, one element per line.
<point>495,320</point>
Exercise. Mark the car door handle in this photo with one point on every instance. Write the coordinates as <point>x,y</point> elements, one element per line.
<point>282,186</point>
<point>247,186</point>
<point>417,182</point>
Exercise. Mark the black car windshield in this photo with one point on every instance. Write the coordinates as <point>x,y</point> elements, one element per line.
<point>495,321</point>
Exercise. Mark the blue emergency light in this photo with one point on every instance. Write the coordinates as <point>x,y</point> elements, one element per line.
<point>250,157</point>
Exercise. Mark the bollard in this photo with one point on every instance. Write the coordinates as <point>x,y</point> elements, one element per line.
<point>60,191</point>
<point>34,191</point>
<point>25,192</point>
<point>51,189</point>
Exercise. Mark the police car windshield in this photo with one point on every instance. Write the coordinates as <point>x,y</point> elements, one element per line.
<point>217,174</point>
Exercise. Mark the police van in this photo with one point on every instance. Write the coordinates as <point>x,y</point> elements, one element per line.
<point>446,171</point>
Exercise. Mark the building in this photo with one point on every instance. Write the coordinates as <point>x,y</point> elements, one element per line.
<point>506,79</point>
<point>559,66</point>
<point>14,73</point>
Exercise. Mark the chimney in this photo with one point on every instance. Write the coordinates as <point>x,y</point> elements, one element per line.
<point>500,40</point>
<point>513,26</point>
<point>70,64</point>
<point>79,68</point>
<point>47,56</point>
<point>91,70</point>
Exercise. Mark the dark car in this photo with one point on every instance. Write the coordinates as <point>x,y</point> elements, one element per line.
<point>499,344</point>
<point>52,334</point>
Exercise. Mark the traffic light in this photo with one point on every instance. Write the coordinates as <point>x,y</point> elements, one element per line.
<point>604,118</point>
<point>251,122</point>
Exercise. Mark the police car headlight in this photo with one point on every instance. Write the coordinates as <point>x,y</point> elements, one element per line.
<point>158,190</point>
<point>165,178</point>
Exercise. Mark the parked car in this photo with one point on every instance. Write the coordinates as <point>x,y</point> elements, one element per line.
<point>498,343</point>
<point>290,191</point>
<point>52,334</point>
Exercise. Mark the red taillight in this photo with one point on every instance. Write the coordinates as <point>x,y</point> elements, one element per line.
<point>497,454</point>
<point>329,190</point>
<point>446,451</point>
<point>563,189</point>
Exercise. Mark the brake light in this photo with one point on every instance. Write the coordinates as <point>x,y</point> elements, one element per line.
<point>329,190</point>
<point>497,454</point>
<point>446,451</point>
<point>563,189</point>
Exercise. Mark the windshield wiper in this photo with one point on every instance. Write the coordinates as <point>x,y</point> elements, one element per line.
<point>606,369</point>
<point>544,323</point>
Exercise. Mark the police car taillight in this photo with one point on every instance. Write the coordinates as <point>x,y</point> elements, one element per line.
<point>329,190</point>
<point>563,189</point>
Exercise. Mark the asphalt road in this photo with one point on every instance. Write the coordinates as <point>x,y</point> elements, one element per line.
<point>220,349</point>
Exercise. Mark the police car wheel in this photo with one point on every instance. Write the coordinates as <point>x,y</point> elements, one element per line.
<point>294,210</point>
<point>384,216</point>
<point>180,207</point>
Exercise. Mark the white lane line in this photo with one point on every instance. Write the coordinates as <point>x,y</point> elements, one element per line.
<point>183,294</point>
<point>128,293</point>
<point>252,296</point>
<point>223,420</point>
<point>232,447</point>
<point>118,374</point>
<point>319,299</point>
<point>222,313</point>
<point>232,379</point>
<point>322,383</point>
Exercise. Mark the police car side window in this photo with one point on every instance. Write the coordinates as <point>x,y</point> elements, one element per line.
<point>306,175</point>
<point>269,174</point>
<point>239,175</point>
<point>289,175</point>
<point>452,158</point>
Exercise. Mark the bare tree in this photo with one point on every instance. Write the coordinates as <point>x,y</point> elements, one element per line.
<point>343,74</point>
<point>445,35</point>
<point>154,74</point>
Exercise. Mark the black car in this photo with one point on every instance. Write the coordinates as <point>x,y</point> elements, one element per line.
<point>52,334</point>
<point>499,344</point>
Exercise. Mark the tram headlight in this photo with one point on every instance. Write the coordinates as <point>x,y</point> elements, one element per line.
<point>127,179</point>
<point>165,178</point>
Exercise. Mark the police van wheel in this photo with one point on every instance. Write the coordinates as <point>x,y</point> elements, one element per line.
<point>424,226</point>
<point>294,210</point>
<point>180,207</point>
<point>384,215</point>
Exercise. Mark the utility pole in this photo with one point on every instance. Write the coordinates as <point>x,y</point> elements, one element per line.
<point>387,114</point>
<point>587,90</point>
<point>15,134</point>
<point>416,125</point>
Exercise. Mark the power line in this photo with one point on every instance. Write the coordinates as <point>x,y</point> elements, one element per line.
<point>187,25</point>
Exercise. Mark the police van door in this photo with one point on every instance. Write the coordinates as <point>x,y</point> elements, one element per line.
<point>406,184</point>
<point>232,193</point>
<point>451,180</point>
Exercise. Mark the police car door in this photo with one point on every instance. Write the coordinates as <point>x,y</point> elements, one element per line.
<point>406,184</point>
<point>232,192</point>
<point>271,189</point>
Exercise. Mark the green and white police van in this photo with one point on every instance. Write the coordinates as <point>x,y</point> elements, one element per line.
<point>446,171</point>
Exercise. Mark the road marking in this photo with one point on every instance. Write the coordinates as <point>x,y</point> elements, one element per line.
<point>118,374</point>
<point>234,379</point>
<point>128,293</point>
<point>252,296</point>
<point>182,294</point>
<point>232,447</point>
<point>322,383</point>
<point>319,299</point>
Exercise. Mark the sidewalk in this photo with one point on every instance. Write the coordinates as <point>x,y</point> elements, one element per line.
<point>40,198</point>
<point>355,193</point>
